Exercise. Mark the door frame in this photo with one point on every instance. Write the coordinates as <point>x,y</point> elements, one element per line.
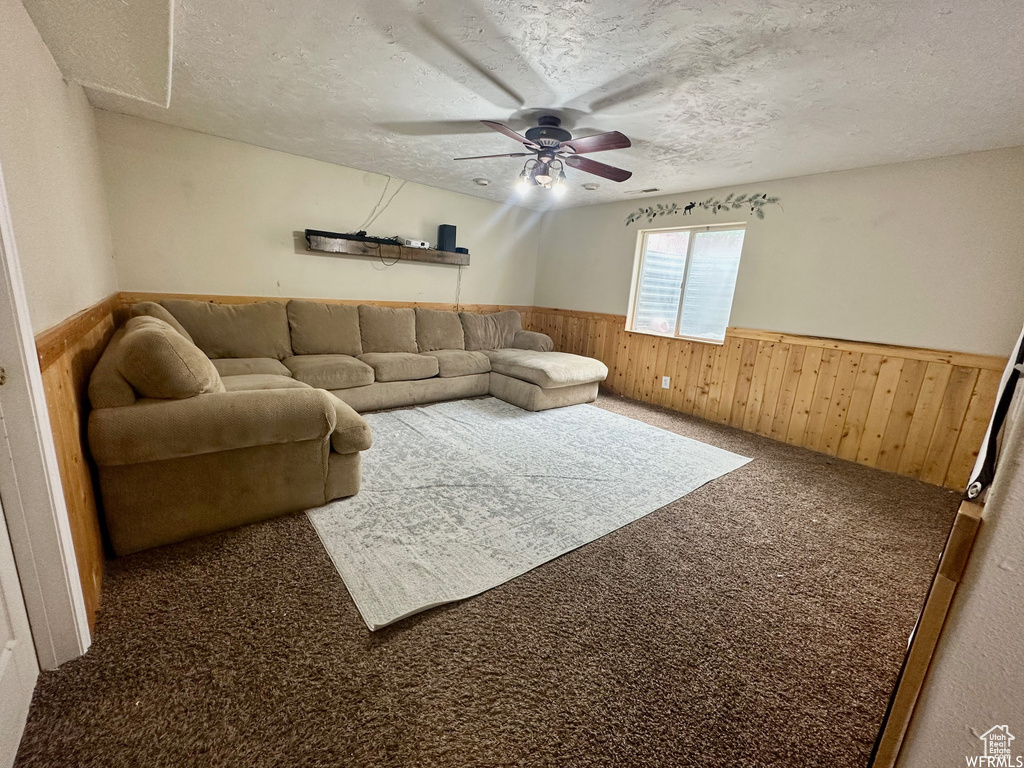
<point>19,668</point>
<point>30,485</point>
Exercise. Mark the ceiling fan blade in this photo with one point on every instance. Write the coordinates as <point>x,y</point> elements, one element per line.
<point>598,143</point>
<point>483,71</point>
<point>508,132</point>
<point>484,157</point>
<point>413,31</point>
<point>587,165</point>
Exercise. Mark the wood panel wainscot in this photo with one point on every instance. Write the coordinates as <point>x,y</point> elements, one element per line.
<point>917,412</point>
<point>67,354</point>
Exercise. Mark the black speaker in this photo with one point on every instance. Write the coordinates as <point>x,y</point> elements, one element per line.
<point>446,238</point>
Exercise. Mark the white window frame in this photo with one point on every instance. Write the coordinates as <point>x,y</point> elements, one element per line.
<point>638,263</point>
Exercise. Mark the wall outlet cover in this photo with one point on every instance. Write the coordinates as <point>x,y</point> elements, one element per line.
<point>666,382</point>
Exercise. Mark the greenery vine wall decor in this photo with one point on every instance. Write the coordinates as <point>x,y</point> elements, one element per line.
<point>755,202</point>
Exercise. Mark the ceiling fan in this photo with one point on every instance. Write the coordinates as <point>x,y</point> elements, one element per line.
<point>554,148</point>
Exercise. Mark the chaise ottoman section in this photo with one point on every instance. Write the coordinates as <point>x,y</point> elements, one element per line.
<point>530,397</point>
<point>537,381</point>
<point>548,370</point>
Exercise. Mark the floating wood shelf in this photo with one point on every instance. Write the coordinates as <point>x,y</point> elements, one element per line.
<point>386,251</point>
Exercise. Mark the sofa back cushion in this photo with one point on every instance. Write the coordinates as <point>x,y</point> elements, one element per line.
<point>152,309</point>
<point>235,330</point>
<point>495,331</point>
<point>107,387</point>
<point>324,329</point>
<point>159,362</point>
<point>436,329</point>
<point>387,329</point>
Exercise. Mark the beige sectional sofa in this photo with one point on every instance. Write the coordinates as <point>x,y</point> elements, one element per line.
<point>208,416</point>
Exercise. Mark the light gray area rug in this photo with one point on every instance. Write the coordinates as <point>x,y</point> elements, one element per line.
<point>460,497</point>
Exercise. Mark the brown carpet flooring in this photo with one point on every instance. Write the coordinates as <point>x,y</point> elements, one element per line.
<point>759,621</point>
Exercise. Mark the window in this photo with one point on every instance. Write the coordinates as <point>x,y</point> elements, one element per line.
<point>685,280</point>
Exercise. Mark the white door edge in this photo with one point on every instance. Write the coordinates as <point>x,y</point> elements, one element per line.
<point>18,667</point>
<point>33,499</point>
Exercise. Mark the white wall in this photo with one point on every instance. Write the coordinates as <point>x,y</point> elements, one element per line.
<point>927,253</point>
<point>976,679</point>
<point>50,163</point>
<point>192,213</point>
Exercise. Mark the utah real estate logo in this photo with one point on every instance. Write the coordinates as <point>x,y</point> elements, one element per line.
<point>998,751</point>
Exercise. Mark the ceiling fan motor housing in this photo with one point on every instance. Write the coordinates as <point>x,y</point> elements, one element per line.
<point>551,143</point>
<point>547,133</point>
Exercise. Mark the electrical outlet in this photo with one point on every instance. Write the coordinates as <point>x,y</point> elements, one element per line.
<point>666,382</point>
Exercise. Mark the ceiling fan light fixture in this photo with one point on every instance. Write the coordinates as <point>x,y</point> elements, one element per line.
<point>558,186</point>
<point>553,145</point>
<point>523,185</point>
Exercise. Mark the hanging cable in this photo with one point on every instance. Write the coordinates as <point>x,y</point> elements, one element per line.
<point>370,215</point>
<point>390,199</point>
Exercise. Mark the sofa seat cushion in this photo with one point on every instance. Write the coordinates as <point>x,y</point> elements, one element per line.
<point>159,362</point>
<point>241,366</point>
<point>330,371</point>
<point>548,370</point>
<point>387,329</point>
<point>259,329</point>
<point>248,382</point>
<point>400,366</point>
<point>459,362</point>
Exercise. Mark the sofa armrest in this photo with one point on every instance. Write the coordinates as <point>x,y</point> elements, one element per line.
<point>155,430</point>
<point>538,342</point>
<point>351,433</point>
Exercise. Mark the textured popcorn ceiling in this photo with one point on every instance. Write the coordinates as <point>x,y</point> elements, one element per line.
<point>711,93</point>
<point>119,46</point>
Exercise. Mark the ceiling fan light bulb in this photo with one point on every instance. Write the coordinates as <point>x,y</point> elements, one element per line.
<point>523,185</point>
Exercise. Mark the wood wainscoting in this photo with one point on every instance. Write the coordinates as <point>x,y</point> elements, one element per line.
<point>67,354</point>
<point>917,412</point>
